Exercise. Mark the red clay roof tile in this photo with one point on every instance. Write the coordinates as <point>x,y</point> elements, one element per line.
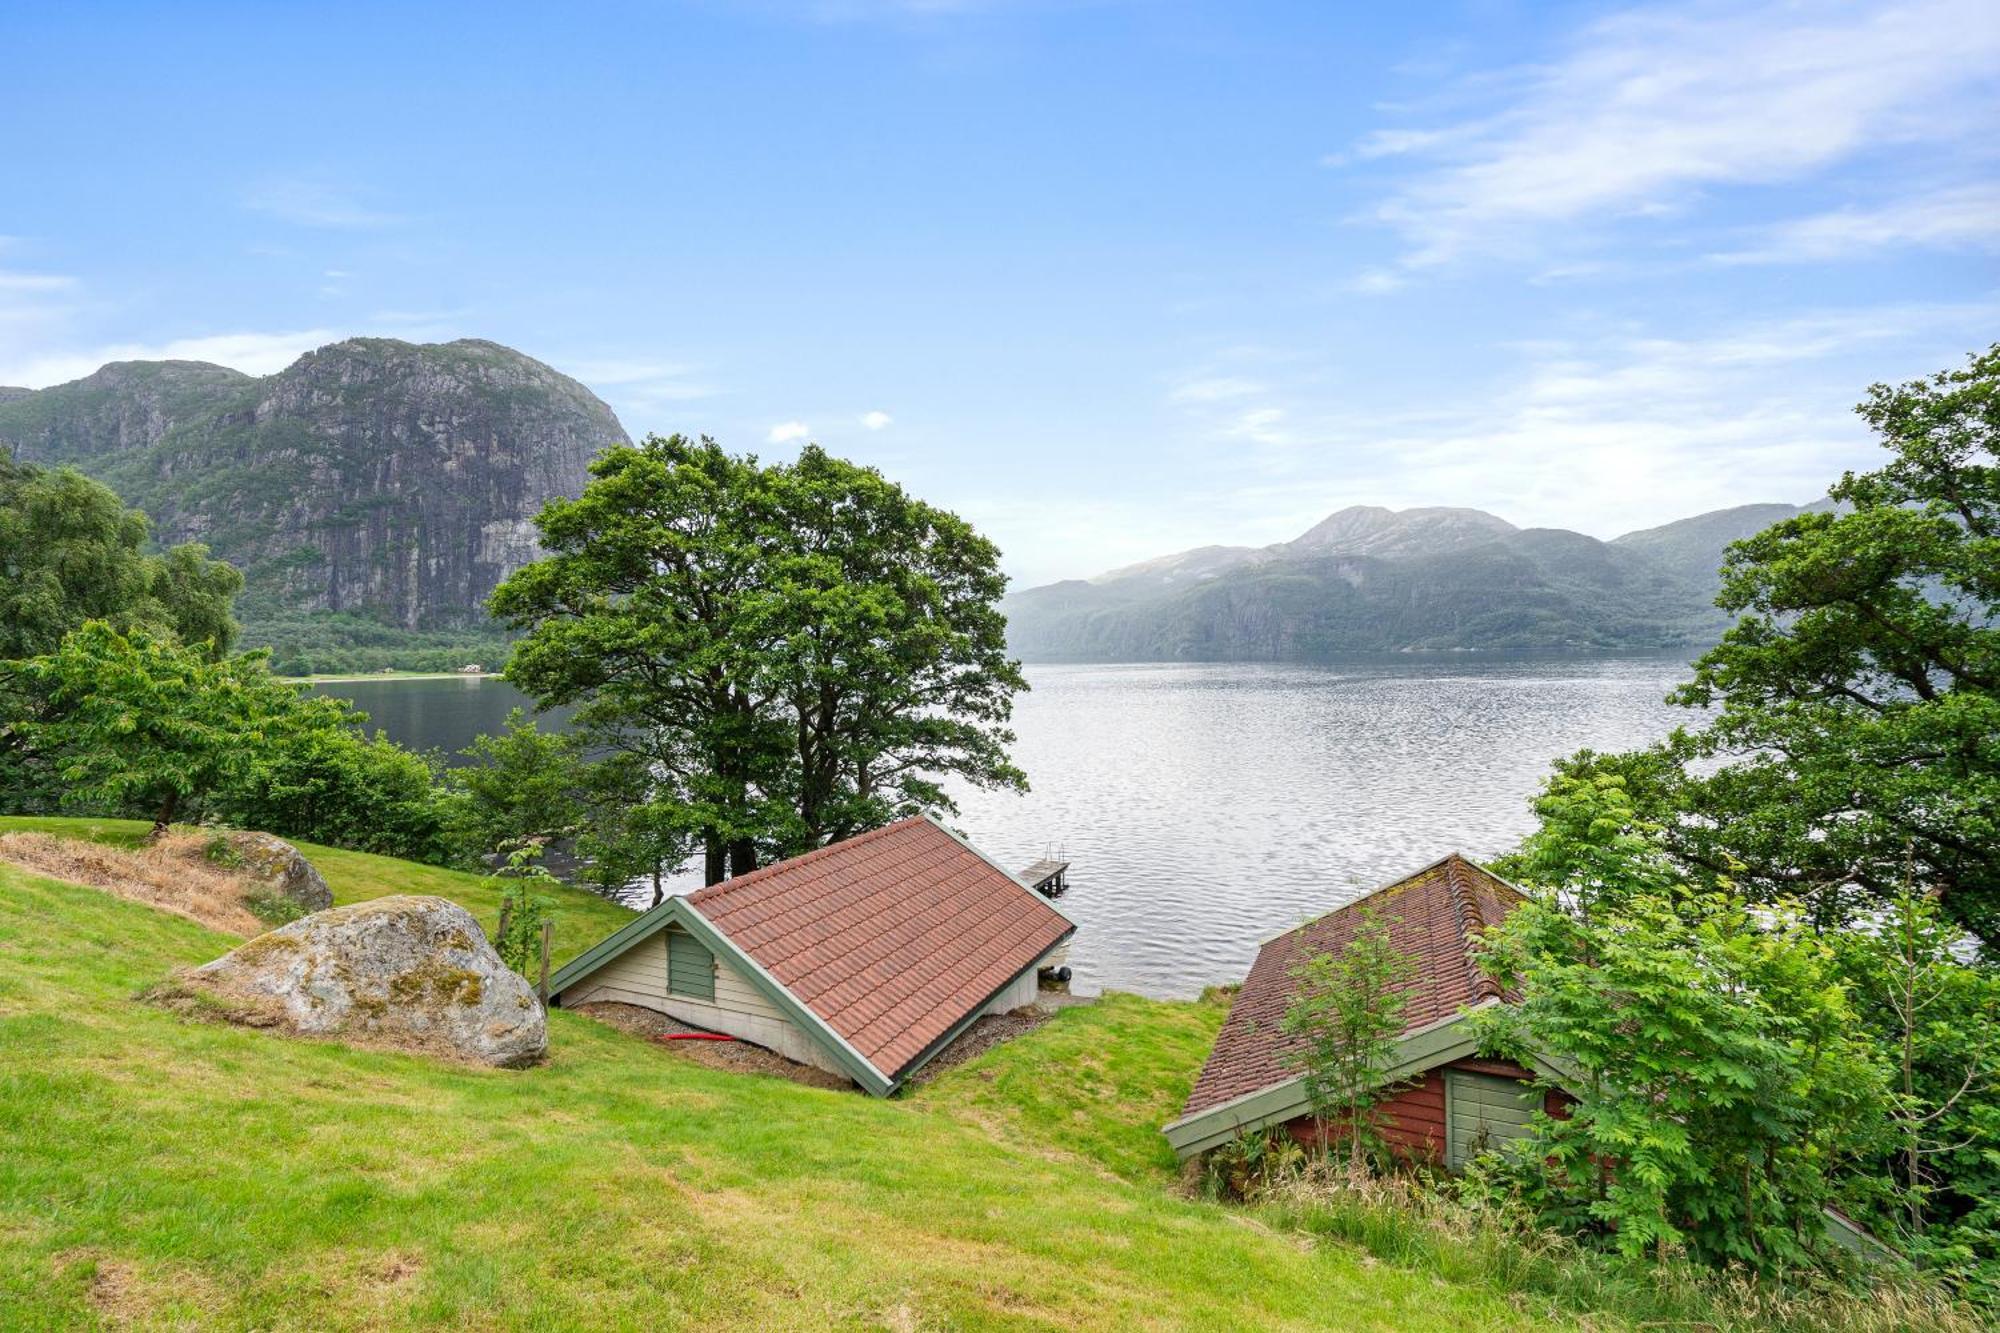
<point>892,937</point>
<point>1433,916</point>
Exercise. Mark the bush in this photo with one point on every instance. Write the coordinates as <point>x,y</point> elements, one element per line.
<point>1468,1233</point>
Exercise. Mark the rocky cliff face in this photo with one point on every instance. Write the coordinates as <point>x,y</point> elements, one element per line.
<point>372,476</point>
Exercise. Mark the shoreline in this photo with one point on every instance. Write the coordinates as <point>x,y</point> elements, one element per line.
<point>356,678</point>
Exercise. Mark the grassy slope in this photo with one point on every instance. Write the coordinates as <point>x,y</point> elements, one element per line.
<point>164,1171</point>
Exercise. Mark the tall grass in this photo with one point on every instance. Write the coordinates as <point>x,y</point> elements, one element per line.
<point>1417,1224</point>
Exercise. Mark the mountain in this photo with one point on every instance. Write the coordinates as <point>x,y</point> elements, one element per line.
<point>1371,580</point>
<point>1692,547</point>
<point>372,480</point>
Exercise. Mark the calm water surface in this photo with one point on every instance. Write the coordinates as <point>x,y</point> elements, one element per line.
<point>1206,807</point>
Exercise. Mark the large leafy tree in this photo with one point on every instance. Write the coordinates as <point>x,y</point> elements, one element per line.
<point>131,720</point>
<point>1721,1080</point>
<point>792,652</point>
<point>70,551</point>
<point>134,723</point>
<point>1854,742</point>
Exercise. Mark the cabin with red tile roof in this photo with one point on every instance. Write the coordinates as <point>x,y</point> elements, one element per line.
<point>866,957</point>
<point>1448,1102</point>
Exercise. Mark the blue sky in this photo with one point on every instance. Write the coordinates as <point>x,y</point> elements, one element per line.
<point>1111,279</point>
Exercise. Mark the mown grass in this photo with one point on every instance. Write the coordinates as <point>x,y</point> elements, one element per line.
<point>160,1171</point>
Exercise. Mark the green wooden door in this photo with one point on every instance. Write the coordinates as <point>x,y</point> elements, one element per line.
<point>690,966</point>
<point>1482,1112</point>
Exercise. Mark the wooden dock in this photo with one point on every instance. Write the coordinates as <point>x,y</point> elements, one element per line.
<point>1047,877</point>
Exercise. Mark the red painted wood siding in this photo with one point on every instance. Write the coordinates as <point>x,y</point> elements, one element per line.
<point>1413,1119</point>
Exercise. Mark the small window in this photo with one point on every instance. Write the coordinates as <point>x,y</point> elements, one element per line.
<point>1484,1113</point>
<point>690,966</point>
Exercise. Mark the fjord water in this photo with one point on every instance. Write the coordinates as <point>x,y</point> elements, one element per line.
<point>1207,807</point>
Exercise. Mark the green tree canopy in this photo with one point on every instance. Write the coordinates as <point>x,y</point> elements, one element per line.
<point>1721,1079</point>
<point>1855,739</point>
<point>795,652</point>
<point>70,551</point>
<point>131,719</point>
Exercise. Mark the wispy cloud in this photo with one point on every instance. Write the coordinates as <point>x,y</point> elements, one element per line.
<point>1650,108</point>
<point>1214,389</point>
<point>787,431</point>
<point>310,201</point>
<point>1959,218</point>
<point>1631,429</point>
<point>251,353</point>
<point>35,282</point>
<point>876,420</point>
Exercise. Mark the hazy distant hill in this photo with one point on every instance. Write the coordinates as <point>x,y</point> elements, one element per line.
<point>382,481</point>
<point>1368,580</point>
<point>1692,547</point>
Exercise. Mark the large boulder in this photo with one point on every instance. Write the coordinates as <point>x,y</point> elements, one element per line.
<point>283,867</point>
<point>410,972</point>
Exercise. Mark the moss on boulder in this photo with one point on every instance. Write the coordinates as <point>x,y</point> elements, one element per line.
<point>407,971</point>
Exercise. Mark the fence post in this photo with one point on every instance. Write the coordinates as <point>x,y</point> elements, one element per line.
<point>548,928</point>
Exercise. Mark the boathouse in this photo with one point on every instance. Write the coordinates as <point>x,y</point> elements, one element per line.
<point>866,957</point>
<point>1448,1102</point>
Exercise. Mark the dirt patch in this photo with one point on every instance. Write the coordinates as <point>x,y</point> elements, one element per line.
<point>173,874</point>
<point>739,1056</point>
<point>982,1037</point>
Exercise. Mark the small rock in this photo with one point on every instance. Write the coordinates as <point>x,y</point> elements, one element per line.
<point>277,862</point>
<point>405,971</point>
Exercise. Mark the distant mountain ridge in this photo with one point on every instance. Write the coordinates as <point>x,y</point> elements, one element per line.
<point>1372,580</point>
<point>387,481</point>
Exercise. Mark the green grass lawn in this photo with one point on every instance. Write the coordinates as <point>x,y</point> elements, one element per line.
<point>156,1171</point>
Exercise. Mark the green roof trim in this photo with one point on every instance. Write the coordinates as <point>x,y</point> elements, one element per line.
<point>1454,1038</point>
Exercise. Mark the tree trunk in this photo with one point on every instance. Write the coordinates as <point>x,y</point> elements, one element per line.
<point>715,864</point>
<point>659,893</point>
<point>742,856</point>
<point>165,817</point>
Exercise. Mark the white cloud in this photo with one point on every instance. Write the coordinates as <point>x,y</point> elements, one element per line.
<point>1963,217</point>
<point>251,353</point>
<point>876,420</point>
<point>313,202</point>
<point>1260,425</point>
<point>786,431</point>
<point>1651,107</point>
<point>1214,389</point>
<point>35,282</point>
<point>1629,430</point>
<point>1376,281</point>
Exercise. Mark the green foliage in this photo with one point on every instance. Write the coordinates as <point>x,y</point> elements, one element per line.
<point>527,901</point>
<point>137,720</point>
<point>1721,1077</point>
<point>1346,1013</point>
<point>1251,1165</point>
<point>272,907</point>
<point>70,551</point>
<point>792,653</point>
<point>318,774</point>
<point>305,643</point>
<point>1468,1231</point>
<point>1936,1183</point>
<point>1855,745</point>
<point>129,722</point>
<point>523,784</point>
<point>626,834</point>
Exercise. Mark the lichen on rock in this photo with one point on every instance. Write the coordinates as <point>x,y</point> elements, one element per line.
<point>406,971</point>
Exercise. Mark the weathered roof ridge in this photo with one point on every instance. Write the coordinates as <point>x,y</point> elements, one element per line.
<point>1471,921</point>
<point>711,892</point>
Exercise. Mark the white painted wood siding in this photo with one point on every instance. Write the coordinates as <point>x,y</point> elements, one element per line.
<point>639,976</point>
